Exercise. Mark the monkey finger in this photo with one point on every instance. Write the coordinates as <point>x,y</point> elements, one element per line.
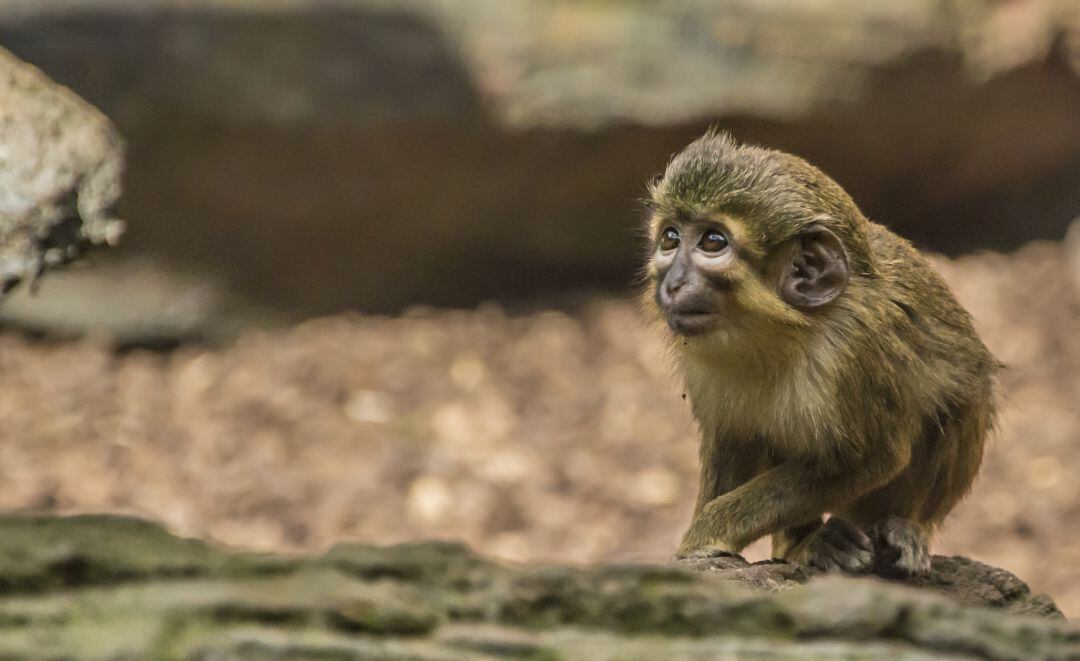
<point>825,563</point>
<point>832,551</point>
<point>914,557</point>
<point>858,561</point>
<point>839,539</point>
<point>902,548</point>
<point>832,538</point>
<point>851,532</point>
<point>709,553</point>
<point>853,559</point>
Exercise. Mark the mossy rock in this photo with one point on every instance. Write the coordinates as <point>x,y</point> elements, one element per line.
<point>104,587</point>
<point>41,553</point>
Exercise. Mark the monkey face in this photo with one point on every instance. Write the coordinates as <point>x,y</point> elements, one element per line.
<point>745,240</point>
<point>693,275</point>
<point>708,274</point>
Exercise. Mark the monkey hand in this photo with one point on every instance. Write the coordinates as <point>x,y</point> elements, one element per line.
<point>715,556</point>
<point>836,545</point>
<point>901,546</point>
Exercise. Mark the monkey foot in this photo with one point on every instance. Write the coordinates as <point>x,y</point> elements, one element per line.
<point>901,548</point>
<point>836,545</point>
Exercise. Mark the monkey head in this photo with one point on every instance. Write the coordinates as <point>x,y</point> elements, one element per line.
<point>741,235</point>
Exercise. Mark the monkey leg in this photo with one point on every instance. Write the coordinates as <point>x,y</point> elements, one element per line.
<point>831,546</point>
<point>956,442</point>
<point>901,515</point>
<point>893,518</point>
<point>901,547</point>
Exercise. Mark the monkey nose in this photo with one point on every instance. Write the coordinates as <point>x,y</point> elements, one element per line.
<point>673,285</point>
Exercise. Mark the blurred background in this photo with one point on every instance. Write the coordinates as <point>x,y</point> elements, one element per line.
<point>378,281</point>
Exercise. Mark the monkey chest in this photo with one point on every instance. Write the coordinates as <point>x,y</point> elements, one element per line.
<point>790,415</point>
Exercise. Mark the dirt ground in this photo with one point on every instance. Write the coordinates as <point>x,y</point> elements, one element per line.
<point>545,437</point>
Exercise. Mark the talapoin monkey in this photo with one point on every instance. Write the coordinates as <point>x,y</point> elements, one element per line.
<point>829,368</point>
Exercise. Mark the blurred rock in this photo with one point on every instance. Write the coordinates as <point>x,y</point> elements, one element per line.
<point>131,303</point>
<point>60,167</point>
<point>108,587</point>
<point>327,154</point>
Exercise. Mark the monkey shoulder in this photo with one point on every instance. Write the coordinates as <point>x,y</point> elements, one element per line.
<point>927,327</point>
<point>906,282</point>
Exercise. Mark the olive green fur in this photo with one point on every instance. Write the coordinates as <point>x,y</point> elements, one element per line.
<point>875,406</point>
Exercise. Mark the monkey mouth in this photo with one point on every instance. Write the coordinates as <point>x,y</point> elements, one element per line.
<point>691,322</point>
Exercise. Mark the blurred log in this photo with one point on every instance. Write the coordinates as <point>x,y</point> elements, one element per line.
<point>109,587</point>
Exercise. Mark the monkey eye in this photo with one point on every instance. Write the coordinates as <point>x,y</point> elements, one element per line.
<point>669,239</point>
<point>713,241</point>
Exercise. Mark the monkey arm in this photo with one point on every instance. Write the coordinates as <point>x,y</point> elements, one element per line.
<point>724,467</point>
<point>784,496</point>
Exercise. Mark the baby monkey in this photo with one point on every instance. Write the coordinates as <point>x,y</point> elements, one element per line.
<point>830,369</point>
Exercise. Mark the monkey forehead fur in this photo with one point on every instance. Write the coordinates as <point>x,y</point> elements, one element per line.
<point>778,193</point>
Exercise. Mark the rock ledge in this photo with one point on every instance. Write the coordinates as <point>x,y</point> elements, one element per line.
<point>115,587</point>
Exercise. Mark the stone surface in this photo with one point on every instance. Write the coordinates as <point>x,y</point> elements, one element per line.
<point>96,587</point>
<point>328,154</point>
<point>61,163</point>
<point>966,581</point>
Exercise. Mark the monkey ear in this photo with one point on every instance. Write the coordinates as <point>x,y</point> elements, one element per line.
<point>817,271</point>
